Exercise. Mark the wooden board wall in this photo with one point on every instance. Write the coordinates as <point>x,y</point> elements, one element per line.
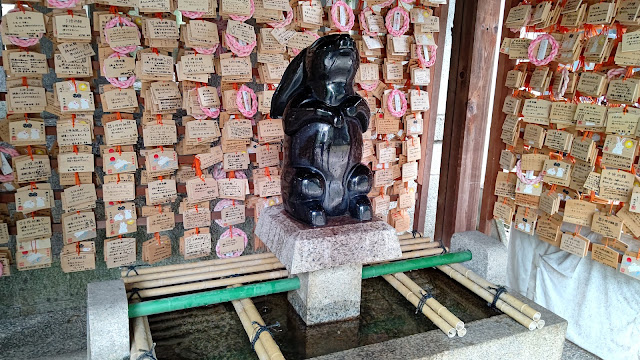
<point>429,124</point>
<point>495,144</point>
<point>475,33</point>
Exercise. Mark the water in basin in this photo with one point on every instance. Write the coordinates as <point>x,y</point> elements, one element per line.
<point>215,332</point>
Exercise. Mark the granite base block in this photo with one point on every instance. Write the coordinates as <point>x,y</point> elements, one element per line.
<point>328,260</point>
<point>343,241</point>
<point>489,255</point>
<point>328,295</point>
<point>107,321</point>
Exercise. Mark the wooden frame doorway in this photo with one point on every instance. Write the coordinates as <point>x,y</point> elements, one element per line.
<point>476,29</point>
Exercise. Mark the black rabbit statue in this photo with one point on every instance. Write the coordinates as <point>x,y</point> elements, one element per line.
<point>324,119</point>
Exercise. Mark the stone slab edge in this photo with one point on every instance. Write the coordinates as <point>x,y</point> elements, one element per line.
<point>497,337</point>
<point>302,249</point>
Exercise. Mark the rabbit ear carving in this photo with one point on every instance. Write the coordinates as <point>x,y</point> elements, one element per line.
<point>291,84</point>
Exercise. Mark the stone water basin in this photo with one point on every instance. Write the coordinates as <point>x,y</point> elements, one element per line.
<point>215,332</point>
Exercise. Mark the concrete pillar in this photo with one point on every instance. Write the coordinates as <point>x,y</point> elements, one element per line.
<point>489,255</point>
<point>107,321</point>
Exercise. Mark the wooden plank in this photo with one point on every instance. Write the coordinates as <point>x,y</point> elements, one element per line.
<point>456,97</point>
<point>10,197</point>
<point>466,119</point>
<point>495,143</point>
<point>182,160</point>
<point>429,124</point>
<point>142,221</point>
<point>99,130</point>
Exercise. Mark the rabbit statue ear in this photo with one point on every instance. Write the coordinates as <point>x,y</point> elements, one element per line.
<point>291,84</point>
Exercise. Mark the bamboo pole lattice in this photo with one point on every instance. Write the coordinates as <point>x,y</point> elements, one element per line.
<point>508,298</point>
<point>431,302</point>
<point>426,310</point>
<point>487,296</point>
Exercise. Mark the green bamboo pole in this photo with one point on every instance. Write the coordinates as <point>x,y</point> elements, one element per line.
<point>181,302</point>
<point>414,264</point>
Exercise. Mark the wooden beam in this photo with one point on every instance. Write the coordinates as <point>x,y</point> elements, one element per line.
<point>473,57</point>
<point>141,221</point>
<point>495,143</point>
<point>429,124</point>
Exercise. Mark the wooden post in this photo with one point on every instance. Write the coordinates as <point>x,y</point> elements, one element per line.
<point>470,92</point>
<point>429,123</point>
<point>495,143</point>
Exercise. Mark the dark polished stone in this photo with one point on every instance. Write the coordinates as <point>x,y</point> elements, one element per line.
<point>324,119</point>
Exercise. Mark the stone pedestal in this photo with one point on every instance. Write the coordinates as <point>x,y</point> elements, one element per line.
<point>489,255</point>
<point>107,321</point>
<point>328,260</point>
<point>328,295</point>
